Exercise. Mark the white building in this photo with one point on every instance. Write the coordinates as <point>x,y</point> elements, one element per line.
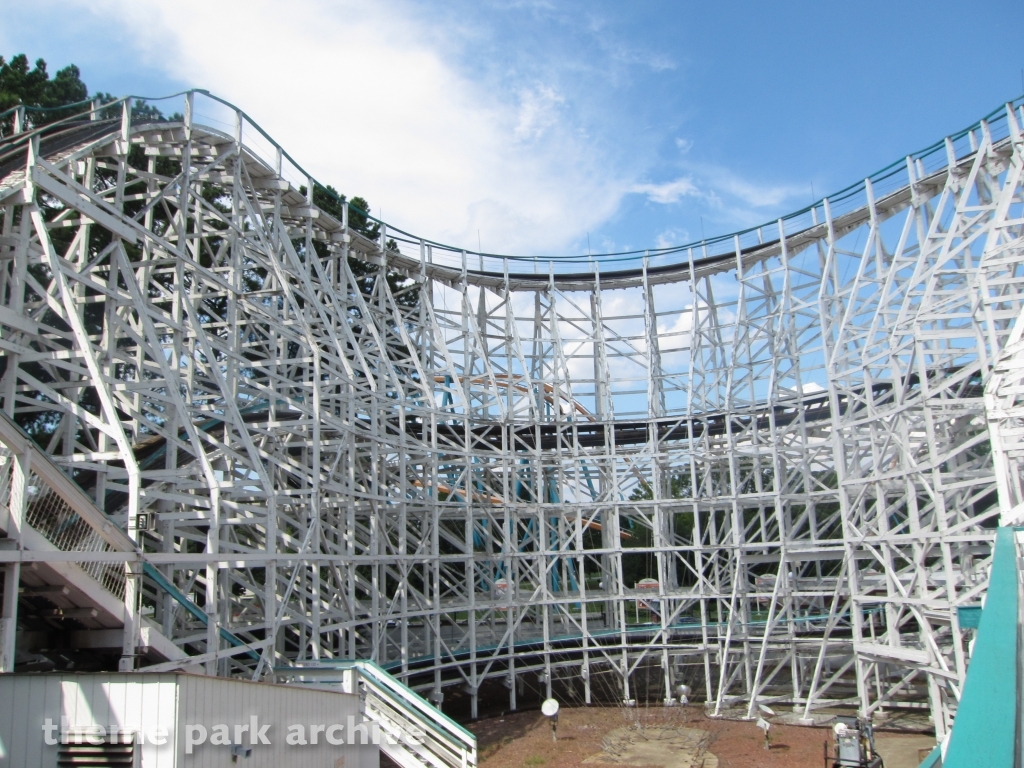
<point>177,720</point>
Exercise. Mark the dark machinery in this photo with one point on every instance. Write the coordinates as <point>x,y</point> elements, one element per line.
<point>855,745</point>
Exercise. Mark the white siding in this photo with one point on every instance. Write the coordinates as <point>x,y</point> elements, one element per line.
<point>209,701</point>
<point>141,702</point>
<point>138,703</point>
<point>25,702</point>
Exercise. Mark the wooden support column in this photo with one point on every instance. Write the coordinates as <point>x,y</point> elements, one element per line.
<point>12,572</point>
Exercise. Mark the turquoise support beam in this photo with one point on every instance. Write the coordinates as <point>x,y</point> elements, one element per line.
<point>985,731</point>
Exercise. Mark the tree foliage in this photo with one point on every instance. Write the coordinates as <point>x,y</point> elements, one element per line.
<point>20,85</point>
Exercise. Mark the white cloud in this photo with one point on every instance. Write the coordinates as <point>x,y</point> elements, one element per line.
<point>757,195</point>
<point>669,191</point>
<point>538,111</point>
<point>656,62</point>
<point>363,97</point>
<point>671,237</point>
<point>724,195</point>
<point>383,100</point>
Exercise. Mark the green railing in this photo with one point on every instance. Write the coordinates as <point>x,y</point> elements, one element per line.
<point>425,736</point>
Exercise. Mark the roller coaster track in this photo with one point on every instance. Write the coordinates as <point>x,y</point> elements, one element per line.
<point>457,465</point>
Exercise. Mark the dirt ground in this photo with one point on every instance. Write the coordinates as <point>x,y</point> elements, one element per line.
<point>675,738</point>
<point>523,740</point>
<point>903,750</point>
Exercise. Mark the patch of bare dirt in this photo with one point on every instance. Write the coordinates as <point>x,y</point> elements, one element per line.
<point>665,745</point>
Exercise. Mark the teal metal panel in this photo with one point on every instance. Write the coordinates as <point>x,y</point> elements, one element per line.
<point>984,732</point>
<point>969,616</point>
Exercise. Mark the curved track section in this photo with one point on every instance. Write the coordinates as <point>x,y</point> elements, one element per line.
<point>760,465</point>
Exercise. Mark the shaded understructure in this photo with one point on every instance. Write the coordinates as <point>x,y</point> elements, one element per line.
<point>769,465</point>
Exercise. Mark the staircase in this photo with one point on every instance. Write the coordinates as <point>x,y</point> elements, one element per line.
<point>56,544</point>
<point>420,735</point>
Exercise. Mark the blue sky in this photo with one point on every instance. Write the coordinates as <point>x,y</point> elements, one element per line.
<point>528,125</point>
